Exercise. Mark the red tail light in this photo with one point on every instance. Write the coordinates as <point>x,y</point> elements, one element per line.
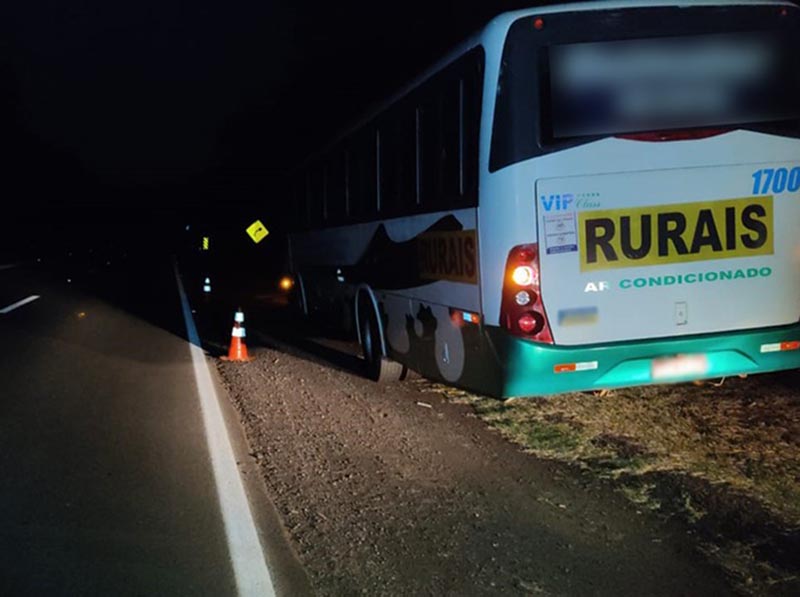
<point>522,312</point>
<point>684,135</point>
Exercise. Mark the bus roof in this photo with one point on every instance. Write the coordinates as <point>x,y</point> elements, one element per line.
<point>503,21</point>
<point>578,6</point>
<point>554,7</point>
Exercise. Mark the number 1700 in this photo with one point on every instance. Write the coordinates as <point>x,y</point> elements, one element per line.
<point>776,180</point>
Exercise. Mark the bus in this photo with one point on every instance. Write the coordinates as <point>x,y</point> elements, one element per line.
<point>581,196</point>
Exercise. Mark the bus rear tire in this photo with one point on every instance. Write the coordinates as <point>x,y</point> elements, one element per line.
<point>377,367</point>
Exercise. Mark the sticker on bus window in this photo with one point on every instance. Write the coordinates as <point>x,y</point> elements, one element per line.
<point>560,233</point>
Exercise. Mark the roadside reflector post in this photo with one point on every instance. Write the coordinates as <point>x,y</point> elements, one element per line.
<point>206,290</point>
<point>238,349</point>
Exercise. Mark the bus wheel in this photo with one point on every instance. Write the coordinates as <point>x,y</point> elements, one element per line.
<point>376,366</point>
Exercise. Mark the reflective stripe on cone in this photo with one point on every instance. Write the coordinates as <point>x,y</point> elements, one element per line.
<point>238,348</point>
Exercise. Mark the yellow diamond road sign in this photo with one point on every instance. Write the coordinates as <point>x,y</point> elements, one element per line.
<point>257,231</point>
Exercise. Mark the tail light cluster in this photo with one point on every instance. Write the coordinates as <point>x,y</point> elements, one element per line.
<point>522,312</point>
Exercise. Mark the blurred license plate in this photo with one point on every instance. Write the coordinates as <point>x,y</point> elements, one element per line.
<point>680,366</point>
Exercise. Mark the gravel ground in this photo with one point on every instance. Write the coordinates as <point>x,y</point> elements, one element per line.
<point>392,491</point>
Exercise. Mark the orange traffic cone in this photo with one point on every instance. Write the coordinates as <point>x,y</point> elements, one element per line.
<point>238,349</point>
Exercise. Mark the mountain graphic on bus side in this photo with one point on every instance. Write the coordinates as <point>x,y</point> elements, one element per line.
<point>443,251</point>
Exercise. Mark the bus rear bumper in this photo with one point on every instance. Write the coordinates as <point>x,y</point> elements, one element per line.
<point>532,368</point>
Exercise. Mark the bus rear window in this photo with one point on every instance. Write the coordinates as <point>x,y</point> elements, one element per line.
<point>578,76</point>
<point>629,86</point>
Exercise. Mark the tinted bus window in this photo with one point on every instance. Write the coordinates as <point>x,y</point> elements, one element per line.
<point>472,92</point>
<point>388,168</point>
<point>363,194</point>
<point>298,195</point>
<point>450,142</point>
<point>406,160</point>
<point>336,187</point>
<point>606,88</point>
<point>429,124</point>
<point>315,195</point>
<point>398,163</point>
<point>587,76</point>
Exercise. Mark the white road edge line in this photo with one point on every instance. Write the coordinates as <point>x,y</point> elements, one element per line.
<point>8,266</point>
<point>247,556</point>
<point>19,304</point>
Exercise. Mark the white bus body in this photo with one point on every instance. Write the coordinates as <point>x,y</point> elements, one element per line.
<point>580,249</point>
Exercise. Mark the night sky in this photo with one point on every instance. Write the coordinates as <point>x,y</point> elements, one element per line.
<point>126,116</point>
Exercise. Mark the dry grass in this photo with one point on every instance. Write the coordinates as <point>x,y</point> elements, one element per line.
<point>741,437</point>
<point>744,433</point>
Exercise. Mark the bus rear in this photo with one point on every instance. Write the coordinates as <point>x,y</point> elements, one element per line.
<point>639,221</point>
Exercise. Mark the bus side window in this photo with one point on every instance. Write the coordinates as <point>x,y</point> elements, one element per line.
<point>421,156</point>
<point>418,155</point>
<point>363,175</point>
<point>450,146</point>
<point>473,93</point>
<point>316,195</point>
<point>388,168</point>
<point>356,181</point>
<point>297,194</point>
<point>371,190</point>
<point>398,163</point>
<point>470,125</point>
<point>353,182</point>
<point>324,191</point>
<point>440,136</point>
<point>336,188</point>
<point>373,170</point>
<point>308,198</point>
<point>429,151</point>
<point>348,207</point>
<point>406,160</point>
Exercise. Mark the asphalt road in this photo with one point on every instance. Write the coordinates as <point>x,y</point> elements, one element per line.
<point>107,486</point>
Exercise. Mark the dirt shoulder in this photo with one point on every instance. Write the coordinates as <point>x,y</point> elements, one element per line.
<point>403,490</point>
<point>723,458</point>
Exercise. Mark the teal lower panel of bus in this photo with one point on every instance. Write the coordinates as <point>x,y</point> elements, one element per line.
<point>532,369</point>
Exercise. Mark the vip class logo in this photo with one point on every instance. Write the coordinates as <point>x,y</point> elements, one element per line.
<point>557,202</point>
<point>675,233</point>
